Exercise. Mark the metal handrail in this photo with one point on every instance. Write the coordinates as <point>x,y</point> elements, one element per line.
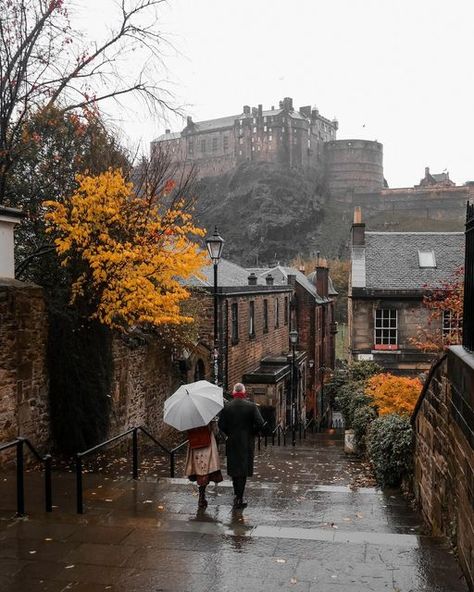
<point>19,443</point>
<point>279,430</point>
<point>135,460</point>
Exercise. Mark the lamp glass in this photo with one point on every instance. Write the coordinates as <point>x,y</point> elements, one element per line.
<point>294,336</point>
<point>215,245</point>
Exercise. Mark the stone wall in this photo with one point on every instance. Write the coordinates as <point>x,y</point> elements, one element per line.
<point>444,453</point>
<point>144,377</point>
<point>410,316</point>
<point>23,374</point>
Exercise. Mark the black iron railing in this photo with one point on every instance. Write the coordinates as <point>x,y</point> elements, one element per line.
<point>135,458</point>
<point>19,443</point>
<point>279,433</point>
<point>468,313</point>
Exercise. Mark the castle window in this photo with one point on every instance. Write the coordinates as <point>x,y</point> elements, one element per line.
<point>258,148</point>
<point>191,148</point>
<point>241,122</point>
<point>264,128</point>
<point>253,140</point>
<point>241,140</point>
<point>203,145</point>
<point>240,152</point>
<point>270,138</point>
<point>214,144</point>
<point>226,143</point>
<point>283,129</point>
<point>253,148</point>
<point>265,119</point>
<point>277,312</point>
<point>254,130</point>
<point>254,120</point>
<point>265,316</point>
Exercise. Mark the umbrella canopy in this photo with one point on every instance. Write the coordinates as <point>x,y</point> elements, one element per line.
<point>193,405</point>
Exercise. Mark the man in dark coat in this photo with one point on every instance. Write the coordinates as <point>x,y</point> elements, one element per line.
<point>240,421</point>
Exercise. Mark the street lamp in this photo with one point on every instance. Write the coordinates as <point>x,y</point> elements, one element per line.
<point>293,382</point>
<point>215,245</point>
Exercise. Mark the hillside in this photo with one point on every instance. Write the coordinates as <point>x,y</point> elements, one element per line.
<point>265,212</point>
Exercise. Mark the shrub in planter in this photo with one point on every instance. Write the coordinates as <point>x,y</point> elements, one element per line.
<point>390,448</point>
<point>363,417</point>
<point>350,398</point>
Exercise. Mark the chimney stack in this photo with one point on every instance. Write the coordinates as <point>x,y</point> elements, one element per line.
<point>246,110</point>
<point>358,229</point>
<point>322,277</point>
<point>260,110</point>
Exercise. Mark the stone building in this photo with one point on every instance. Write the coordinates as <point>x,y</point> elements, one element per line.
<point>390,274</point>
<point>280,135</point>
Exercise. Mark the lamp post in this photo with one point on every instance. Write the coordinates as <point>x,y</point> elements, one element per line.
<point>293,382</point>
<point>215,245</point>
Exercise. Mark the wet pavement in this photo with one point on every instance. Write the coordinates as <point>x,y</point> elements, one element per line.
<point>307,528</point>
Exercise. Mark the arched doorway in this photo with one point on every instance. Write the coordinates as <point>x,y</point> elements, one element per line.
<point>199,370</point>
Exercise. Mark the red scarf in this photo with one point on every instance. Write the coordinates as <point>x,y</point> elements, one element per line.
<point>239,395</point>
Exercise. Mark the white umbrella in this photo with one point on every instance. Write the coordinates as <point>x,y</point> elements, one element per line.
<point>193,405</point>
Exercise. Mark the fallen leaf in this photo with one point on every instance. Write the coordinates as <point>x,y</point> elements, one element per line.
<point>69,566</point>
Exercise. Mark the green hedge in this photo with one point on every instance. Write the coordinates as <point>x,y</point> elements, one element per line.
<point>390,448</point>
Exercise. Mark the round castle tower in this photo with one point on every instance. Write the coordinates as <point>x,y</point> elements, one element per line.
<point>352,166</point>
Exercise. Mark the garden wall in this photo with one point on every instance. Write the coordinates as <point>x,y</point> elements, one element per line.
<point>444,453</point>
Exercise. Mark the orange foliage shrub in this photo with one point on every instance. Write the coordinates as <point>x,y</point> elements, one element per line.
<point>393,394</point>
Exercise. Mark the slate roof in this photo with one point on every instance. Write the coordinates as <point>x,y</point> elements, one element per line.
<point>391,259</point>
<point>280,275</point>
<point>229,275</point>
<point>170,136</point>
<point>211,124</point>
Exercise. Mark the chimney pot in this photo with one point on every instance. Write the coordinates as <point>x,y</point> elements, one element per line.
<point>167,131</point>
<point>189,120</point>
<point>357,215</point>
<point>252,279</point>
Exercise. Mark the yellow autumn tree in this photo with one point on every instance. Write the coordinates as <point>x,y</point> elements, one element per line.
<point>393,394</point>
<point>128,250</point>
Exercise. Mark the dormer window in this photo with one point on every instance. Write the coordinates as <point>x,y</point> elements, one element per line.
<point>426,259</point>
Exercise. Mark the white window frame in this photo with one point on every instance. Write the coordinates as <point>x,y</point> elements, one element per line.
<point>385,330</point>
<point>451,325</point>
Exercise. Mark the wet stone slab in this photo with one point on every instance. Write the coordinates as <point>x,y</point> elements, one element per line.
<point>306,529</point>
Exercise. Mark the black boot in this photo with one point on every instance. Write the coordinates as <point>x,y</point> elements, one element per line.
<point>202,502</point>
<point>239,503</point>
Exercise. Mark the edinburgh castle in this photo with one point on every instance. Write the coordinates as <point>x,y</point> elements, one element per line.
<point>350,172</point>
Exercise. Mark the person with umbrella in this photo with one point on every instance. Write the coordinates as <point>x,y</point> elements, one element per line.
<point>240,421</point>
<point>191,408</point>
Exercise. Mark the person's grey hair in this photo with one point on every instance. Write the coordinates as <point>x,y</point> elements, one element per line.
<point>239,388</point>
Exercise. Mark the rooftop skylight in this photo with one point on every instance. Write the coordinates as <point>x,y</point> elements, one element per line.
<point>426,259</point>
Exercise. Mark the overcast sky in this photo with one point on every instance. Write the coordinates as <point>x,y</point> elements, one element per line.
<point>397,71</point>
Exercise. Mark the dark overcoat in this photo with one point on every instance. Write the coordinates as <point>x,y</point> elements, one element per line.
<point>240,421</point>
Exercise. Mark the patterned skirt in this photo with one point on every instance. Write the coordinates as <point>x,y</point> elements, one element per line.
<point>203,464</point>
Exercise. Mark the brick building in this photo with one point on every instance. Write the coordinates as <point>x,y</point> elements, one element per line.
<point>281,135</point>
<point>312,314</point>
<point>256,310</point>
<point>390,274</point>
